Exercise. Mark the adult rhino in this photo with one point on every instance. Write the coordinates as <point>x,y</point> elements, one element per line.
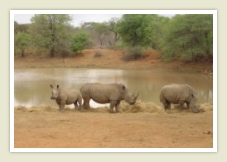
<point>66,97</point>
<point>107,93</point>
<point>178,94</point>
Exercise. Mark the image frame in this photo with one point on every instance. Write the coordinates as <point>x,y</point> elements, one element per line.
<point>215,55</point>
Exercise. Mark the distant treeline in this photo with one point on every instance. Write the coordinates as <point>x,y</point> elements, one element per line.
<point>184,37</point>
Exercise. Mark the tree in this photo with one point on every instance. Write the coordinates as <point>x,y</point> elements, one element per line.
<point>101,32</point>
<point>21,42</point>
<point>80,41</point>
<point>51,32</point>
<point>188,37</point>
<point>157,25</point>
<point>138,32</point>
<point>135,30</point>
<point>112,27</point>
<point>20,27</point>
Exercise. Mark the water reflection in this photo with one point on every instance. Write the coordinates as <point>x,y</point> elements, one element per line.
<point>31,86</point>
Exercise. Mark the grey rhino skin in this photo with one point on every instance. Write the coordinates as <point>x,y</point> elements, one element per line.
<point>66,97</point>
<point>178,94</point>
<point>107,93</point>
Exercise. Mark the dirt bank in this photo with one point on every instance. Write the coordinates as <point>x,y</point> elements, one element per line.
<point>111,59</point>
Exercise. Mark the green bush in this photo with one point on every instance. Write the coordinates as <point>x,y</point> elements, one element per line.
<point>22,41</point>
<point>188,38</point>
<point>80,41</point>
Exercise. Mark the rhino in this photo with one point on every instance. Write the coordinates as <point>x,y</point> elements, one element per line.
<point>178,94</point>
<point>65,96</point>
<point>107,93</point>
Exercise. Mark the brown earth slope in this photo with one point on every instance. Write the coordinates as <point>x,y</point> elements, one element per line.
<point>112,59</point>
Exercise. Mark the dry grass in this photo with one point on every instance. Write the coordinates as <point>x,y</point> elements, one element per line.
<point>206,107</point>
<point>138,107</point>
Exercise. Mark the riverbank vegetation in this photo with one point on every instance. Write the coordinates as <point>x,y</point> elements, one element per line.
<point>181,37</point>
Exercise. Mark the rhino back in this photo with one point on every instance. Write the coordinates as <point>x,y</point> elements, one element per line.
<point>69,95</point>
<point>176,92</point>
<point>101,93</point>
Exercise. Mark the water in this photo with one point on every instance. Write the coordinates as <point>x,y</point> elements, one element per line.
<point>32,86</point>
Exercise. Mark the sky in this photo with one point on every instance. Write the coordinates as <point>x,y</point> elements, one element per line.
<point>77,19</point>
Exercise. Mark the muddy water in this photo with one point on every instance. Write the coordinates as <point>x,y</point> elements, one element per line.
<point>32,86</point>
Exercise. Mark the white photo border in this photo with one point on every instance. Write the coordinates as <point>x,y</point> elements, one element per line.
<point>215,86</point>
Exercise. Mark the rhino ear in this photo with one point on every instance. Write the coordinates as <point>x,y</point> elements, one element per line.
<point>51,86</point>
<point>123,87</point>
<point>57,86</point>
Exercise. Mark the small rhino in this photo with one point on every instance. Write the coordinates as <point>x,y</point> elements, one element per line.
<point>178,94</point>
<point>66,97</point>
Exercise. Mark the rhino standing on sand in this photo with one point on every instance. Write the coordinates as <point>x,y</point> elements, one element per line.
<point>107,93</point>
<point>178,94</point>
<point>66,97</point>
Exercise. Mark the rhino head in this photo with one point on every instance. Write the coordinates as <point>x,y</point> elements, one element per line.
<point>54,92</point>
<point>130,97</point>
<point>193,106</point>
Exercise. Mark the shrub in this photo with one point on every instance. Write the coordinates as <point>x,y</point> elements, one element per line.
<point>80,41</point>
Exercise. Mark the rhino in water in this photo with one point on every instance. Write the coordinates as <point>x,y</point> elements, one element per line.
<point>66,97</point>
<point>178,94</point>
<point>107,93</point>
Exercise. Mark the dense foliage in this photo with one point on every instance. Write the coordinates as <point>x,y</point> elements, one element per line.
<point>22,41</point>
<point>51,32</point>
<point>80,41</point>
<point>141,31</point>
<point>186,37</point>
<point>135,29</point>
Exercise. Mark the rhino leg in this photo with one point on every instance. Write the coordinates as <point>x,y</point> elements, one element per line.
<point>164,102</point>
<point>75,105</point>
<point>112,105</point>
<point>111,108</point>
<point>80,103</point>
<point>181,104</point>
<point>117,107</point>
<point>166,105</point>
<point>61,106</point>
<point>86,103</point>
